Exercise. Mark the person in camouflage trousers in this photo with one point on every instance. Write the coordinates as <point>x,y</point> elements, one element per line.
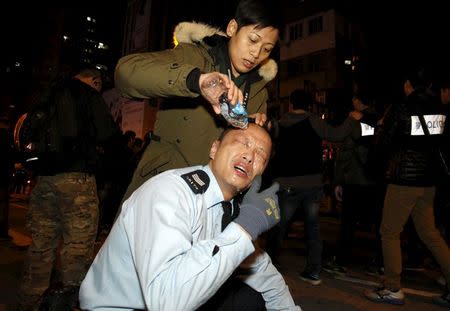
<point>63,210</point>
<point>64,205</point>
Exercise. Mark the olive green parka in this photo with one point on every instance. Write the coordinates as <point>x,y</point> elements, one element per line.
<point>185,124</point>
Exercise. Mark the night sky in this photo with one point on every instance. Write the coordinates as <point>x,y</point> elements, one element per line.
<point>407,35</point>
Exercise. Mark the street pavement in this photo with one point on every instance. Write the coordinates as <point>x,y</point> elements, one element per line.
<point>335,293</point>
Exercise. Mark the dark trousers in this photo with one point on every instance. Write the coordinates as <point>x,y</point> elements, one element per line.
<point>359,202</point>
<point>235,295</point>
<point>290,200</point>
<point>442,207</point>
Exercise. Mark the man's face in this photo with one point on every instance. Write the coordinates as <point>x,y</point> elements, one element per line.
<point>358,104</point>
<point>249,46</point>
<point>97,83</point>
<point>239,157</point>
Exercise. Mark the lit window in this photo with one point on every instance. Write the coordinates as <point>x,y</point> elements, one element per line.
<point>18,64</point>
<point>88,18</point>
<point>102,46</point>
<point>65,37</point>
<point>101,67</point>
<point>347,62</point>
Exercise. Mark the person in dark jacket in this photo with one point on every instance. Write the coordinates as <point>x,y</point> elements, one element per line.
<point>442,201</point>
<point>411,175</point>
<point>299,172</point>
<point>357,184</point>
<point>64,203</point>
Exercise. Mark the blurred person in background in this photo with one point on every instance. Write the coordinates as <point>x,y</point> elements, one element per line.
<point>300,174</point>
<point>358,184</point>
<point>64,202</point>
<point>413,169</point>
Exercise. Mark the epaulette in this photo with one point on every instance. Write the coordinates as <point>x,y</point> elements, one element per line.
<point>197,180</point>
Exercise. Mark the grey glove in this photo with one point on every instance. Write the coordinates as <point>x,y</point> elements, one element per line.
<point>259,211</point>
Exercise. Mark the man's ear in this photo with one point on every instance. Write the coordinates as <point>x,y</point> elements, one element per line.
<point>232,28</point>
<point>214,148</point>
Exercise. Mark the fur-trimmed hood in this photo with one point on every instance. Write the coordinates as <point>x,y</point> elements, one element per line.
<point>192,32</point>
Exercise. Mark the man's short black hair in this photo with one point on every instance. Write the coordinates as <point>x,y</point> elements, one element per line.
<point>129,135</point>
<point>419,77</point>
<point>90,73</point>
<point>263,13</point>
<point>364,97</point>
<point>300,99</point>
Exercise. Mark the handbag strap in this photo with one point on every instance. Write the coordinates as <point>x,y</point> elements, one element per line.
<point>441,156</point>
<point>424,125</point>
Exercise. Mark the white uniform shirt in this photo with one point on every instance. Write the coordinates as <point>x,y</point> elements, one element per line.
<point>159,253</point>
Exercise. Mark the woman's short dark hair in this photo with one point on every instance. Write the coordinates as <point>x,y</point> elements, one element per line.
<point>262,13</point>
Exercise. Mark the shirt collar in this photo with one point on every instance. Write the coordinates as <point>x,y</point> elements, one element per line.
<point>213,194</point>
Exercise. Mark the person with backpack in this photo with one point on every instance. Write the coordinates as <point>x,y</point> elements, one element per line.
<point>299,172</point>
<point>63,204</point>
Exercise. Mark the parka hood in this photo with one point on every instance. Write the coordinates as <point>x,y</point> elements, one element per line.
<point>194,32</point>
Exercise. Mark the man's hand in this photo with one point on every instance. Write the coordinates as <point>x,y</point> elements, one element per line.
<point>259,210</point>
<point>214,84</point>
<point>259,118</point>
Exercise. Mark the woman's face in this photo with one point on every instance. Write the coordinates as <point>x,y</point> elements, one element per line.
<point>249,46</point>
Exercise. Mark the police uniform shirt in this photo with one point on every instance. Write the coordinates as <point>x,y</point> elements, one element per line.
<point>166,251</point>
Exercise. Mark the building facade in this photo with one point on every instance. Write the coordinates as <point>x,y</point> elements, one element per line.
<point>323,53</point>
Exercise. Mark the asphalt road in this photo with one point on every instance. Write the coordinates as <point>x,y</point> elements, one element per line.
<point>335,293</point>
